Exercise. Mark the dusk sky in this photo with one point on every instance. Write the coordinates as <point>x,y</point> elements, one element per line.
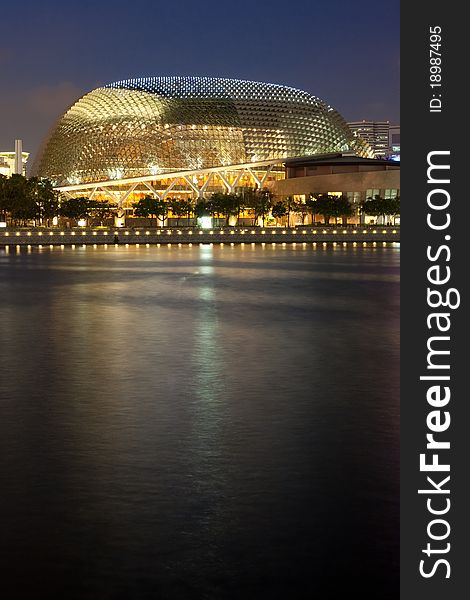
<point>53,52</point>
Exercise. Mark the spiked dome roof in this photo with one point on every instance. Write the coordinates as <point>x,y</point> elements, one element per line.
<point>153,125</point>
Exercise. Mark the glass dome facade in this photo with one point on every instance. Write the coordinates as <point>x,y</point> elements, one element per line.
<point>154,125</point>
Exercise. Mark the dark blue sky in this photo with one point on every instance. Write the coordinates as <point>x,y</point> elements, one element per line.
<point>53,52</point>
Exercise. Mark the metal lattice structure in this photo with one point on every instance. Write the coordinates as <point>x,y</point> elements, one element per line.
<point>156,125</point>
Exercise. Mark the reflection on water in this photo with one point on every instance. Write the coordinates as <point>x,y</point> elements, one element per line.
<point>199,422</point>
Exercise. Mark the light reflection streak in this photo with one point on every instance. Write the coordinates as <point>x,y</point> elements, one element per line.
<point>208,410</point>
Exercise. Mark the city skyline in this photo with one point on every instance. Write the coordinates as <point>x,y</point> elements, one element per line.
<point>65,51</point>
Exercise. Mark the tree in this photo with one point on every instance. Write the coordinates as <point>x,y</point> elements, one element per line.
<point>202,210</point>
<point>381,207</point>
<point>371,206</point>
<point>187,207</point>
<point>25,199</point>
<point>161,211</point>
<point>248,198</point>
<point>3,197</point>
<point>302,210</point>
<point>100,211</point>
<point>262,204</point>
<point>394,206</point>
<point>227,205</point>
<point>329,206</point>
<point>18,199</point>
<point>279,209</point>
<point>45,197</point>
<point>324,206</point>
<point>343,208</point>
<point>144,208</point>
<point>311,204</point>
<point>25,210</point>
<point>214,204</point>
<point>149,207</point>
<point>178,208</point>
<point>290,206</point>
<point>240,206</point>
<point>75,208</point>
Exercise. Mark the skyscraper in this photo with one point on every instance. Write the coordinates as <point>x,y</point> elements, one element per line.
<point>375,133</point>
<point>394,142</point>
<point>14,162</point>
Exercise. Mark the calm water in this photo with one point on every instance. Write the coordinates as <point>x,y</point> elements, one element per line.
<point>199,422</point>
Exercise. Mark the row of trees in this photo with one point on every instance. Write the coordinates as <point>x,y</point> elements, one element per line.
<point>381,207</point>
<point>317,204</point>
<point>337,207</point>
<point>25,200</point>
<point>94,211</point>
<point>219,205</point>
<point>260,204</point>
<point>35,199</point>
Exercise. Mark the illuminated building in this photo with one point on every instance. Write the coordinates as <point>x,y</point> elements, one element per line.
<point>186,136</point>
<point>375,133</point>
<point>353,177</point>
<point>14,162</point>
<point>394,142</point>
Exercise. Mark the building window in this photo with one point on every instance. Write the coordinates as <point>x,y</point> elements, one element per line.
<point>353,197</point>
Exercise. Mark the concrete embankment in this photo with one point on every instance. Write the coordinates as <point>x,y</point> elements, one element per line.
<point>235,235</point>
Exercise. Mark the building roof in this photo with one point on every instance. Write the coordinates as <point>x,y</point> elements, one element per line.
<point>143,127</point>
<point>339,158</point>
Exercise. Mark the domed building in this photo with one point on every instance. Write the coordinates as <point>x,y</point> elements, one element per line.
<point>144,130</point>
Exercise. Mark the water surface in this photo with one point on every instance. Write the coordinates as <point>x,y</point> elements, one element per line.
<point>199,422</point>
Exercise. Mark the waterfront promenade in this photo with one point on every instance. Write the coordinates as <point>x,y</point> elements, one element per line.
<point>174,235</point>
